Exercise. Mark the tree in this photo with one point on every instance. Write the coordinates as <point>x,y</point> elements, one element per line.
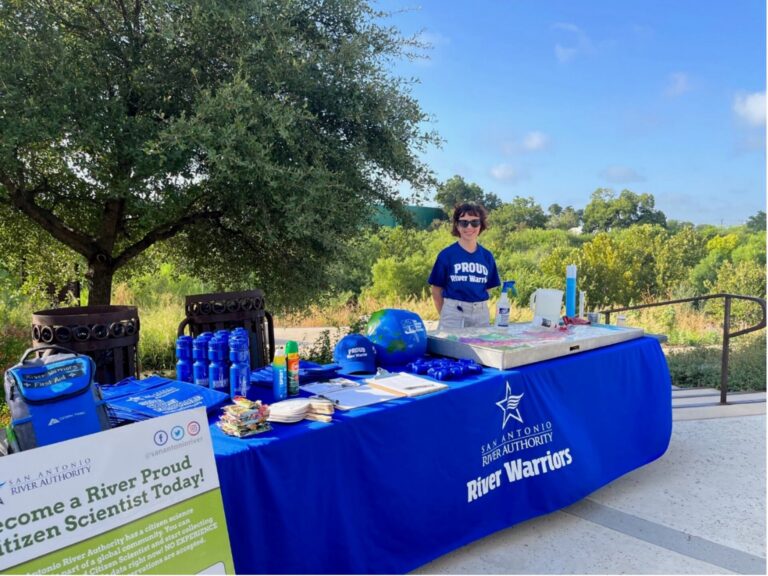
<point>756,223</point>
<point>563,218</point>
<point>746,278</point>
<point>456,190</point>
<point>247,132</point>
<point>40,270</point>
<point>519,214</point>
<point>606,211</point>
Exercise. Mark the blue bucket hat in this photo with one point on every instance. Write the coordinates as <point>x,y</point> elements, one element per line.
<point>355,354</point>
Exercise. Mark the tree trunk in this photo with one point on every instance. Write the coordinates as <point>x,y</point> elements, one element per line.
<point>100,273</point>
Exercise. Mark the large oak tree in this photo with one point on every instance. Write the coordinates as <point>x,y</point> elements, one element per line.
<point>255,133</point>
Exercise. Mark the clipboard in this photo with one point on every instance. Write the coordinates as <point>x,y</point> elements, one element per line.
<point>357,397</point>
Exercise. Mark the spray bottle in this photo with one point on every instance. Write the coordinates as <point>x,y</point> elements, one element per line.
<point>279,377</point>
<point>292,366</point>
<point>503,305</point>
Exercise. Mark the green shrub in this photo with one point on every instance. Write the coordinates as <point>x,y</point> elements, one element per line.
<point>747,370</point>
<point>400,277</point>
<point>321,350</point>
<point>695,368</point>
<point>747,278</point>
<point>700,367</point>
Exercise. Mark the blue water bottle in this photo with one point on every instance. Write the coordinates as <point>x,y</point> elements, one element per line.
<point>224,336</point>
<point>241,332</point>
<point>570,290</point>
<point>184,358</point>
<point>217,369</point>
<point>240,368</point>
<point>200,357</point>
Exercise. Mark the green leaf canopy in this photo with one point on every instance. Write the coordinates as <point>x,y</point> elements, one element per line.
<point>257,134</point>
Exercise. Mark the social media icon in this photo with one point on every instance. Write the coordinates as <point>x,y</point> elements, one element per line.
<point>193,428</point>
<point>177,433</point>
<point>161,437</point>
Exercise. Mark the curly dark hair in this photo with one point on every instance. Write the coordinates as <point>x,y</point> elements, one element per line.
<point>469,209</point>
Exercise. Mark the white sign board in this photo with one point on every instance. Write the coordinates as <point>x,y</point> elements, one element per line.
<point>135,499</point>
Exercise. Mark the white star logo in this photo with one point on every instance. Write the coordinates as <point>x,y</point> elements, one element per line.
<point>509,406</point>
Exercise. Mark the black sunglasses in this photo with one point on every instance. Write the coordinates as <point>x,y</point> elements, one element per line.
<point>464,223</point>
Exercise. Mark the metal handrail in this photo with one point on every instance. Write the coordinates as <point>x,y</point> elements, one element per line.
<point>727,334</point>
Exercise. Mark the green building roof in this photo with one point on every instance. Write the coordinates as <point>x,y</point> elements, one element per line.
<point>422,215</point>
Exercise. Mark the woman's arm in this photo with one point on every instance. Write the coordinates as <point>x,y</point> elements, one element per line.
<point>437,298</point>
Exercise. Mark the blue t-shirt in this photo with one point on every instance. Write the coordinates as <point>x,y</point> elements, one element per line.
<point>464,276</point>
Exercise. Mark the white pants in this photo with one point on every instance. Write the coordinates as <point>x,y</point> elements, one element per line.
<point>457,314</point>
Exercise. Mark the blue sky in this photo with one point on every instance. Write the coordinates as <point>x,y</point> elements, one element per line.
<point>554,98</point>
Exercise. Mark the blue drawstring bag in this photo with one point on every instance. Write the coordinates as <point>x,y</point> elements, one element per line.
<point>53,398</point>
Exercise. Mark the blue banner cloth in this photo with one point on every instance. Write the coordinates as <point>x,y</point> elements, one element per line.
<point>390,487</point>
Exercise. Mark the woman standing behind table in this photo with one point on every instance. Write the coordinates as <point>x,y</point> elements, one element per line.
<point>464,272</point>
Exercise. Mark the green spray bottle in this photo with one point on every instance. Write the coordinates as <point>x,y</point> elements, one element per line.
<point>292,366</point>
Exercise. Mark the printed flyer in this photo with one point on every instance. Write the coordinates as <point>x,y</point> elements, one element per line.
<point>137,499</point>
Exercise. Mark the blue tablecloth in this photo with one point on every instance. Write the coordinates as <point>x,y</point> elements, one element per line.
<point>388,488</point>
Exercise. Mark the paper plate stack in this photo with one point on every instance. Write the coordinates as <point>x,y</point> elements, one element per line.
<point>289,411</point>
<point>244,418</point>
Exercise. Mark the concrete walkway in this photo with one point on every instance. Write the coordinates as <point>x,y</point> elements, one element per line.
<point>699,509</point>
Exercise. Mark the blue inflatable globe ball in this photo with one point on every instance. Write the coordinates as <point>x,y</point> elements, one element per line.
<point>399,337</point>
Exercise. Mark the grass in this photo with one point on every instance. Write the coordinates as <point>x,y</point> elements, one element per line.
<point>348,313</point>
<point>157,340</point>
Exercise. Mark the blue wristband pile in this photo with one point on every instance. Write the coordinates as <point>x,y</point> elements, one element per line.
<point>445,369</point>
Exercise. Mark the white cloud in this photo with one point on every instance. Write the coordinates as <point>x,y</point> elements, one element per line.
<point>508,173</point>
<point>678,83</point>
<point>750,108</point>
<point>564,54</point>
<point>621,175</point>
<point>535,141</point>
<point>580,44</point>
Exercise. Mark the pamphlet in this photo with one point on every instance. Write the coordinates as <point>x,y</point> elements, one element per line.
<point>405,384</point>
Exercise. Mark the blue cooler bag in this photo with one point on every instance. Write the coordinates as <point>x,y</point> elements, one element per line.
<point>53,398</point>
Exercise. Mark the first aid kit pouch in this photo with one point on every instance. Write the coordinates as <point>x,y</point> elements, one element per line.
<point>53,398</point>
